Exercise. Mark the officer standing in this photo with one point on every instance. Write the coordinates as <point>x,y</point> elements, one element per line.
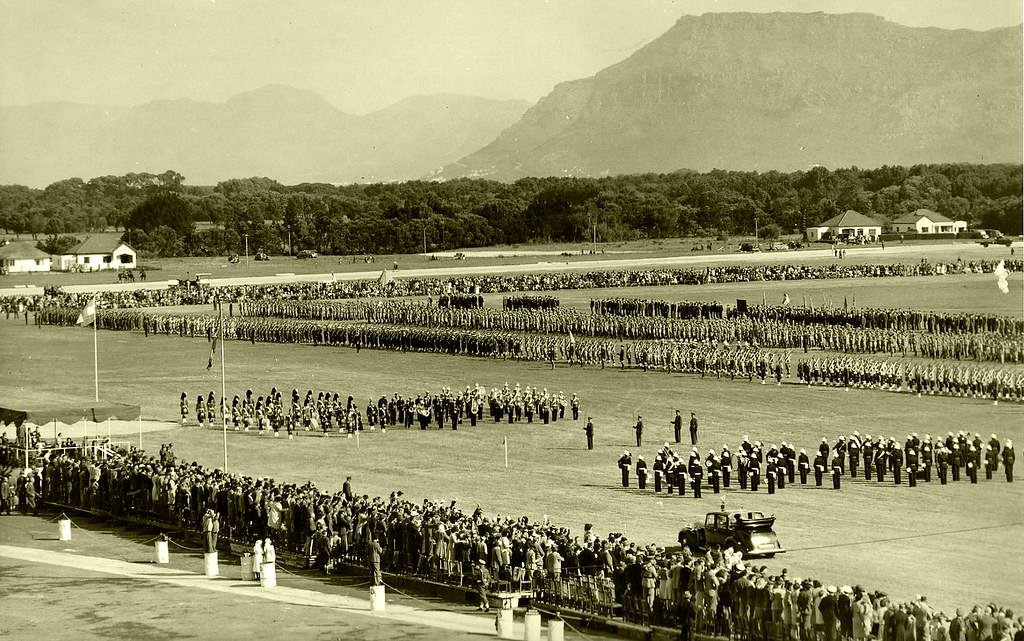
<point>804,463</point>
<point>641,472</point>
<point>639,429</point>
<point>589,429</point>
<point>726,462</point>
<point>693,428</point>
<point>1008,458</point>
<point>819,469</point>
<point>677,426</point>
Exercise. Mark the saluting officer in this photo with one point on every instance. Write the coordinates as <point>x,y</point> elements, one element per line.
<point>625,461</point>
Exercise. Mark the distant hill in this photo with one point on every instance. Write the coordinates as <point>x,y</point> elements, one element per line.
<point>288,134</point>
<point>775,91</point>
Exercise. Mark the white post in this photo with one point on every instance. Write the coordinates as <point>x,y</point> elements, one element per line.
<point>377,602</point>
<point>223,385</point>
<point>212,568</point>
<point>140,430</point>
<point>95,356</point>
<point>532,626</point>
<point>504,441</point>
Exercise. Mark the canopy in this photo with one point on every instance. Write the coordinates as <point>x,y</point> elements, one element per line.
<point>69,414</point>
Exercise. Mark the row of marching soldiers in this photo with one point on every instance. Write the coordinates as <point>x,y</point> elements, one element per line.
<point>780,465</point>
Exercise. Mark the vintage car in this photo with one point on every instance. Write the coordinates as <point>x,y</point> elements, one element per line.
<point>307,253</point>
<point>747,532</point>
<point>262,256</point>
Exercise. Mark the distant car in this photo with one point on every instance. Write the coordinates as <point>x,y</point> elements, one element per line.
<point>262,256</point>
<point>747,532</point>
<point>777,246</point>
<point>307,253</point>
<point>749,247</point>
<point>1005,241</point>
<point>233,258</point>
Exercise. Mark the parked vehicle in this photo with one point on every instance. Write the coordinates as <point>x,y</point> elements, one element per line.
<point>307,253</point>
<point>262,256</point>
<point>747,532</point>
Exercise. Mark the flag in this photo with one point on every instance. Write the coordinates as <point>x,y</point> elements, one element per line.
<point>384,277</point>
<point>88,315</point>
<point>213,352</point>
<point>1001,278</point>
<point>572,339</point>
<point>785,299</point>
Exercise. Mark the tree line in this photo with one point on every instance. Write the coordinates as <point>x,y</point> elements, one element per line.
<point>162,216</point>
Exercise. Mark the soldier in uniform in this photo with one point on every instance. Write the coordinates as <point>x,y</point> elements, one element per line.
<point>659,469</point>
<point>913,466</point>
<point>183,406</point>
<point>972,465</point>
<point>639,429</point>
<point>589,429</point>
<point>867,450</point>
<point>625,462</point>
<point>837,470</point>
<point>677,426</point>
<point>693,428</point>
<point>714,470</point>
<point>641,472</point>
<point>1008,458</point>
<point>819,468</point>
<point>696,471</point>
<point>942,460</point>
<point>897,465</point>
<point>804,463</point>
<point>726,463</point>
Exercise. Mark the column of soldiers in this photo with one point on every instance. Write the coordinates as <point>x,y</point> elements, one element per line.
<point>922,378</point>
<point>776,466</point>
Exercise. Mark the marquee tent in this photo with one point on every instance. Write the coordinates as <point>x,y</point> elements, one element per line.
<point>69,413</point>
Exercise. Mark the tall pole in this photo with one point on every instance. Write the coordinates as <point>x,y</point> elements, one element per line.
<point>756,243</point>
<point>246,250</point>
<point>223,386</point>
<point>95,355</point>
<point>595,237</point>
<point>424,237</point>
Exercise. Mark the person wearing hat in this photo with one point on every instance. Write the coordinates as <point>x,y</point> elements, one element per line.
<point>685,612</point>
<point>696,471</point>
<point>677,426</point>
<point>829,609</point>
<point>1008,458</point>
<point>693,428</point>
<point>641,472</point>
<point>725,460</point>
<point>589,430</point>
<point>483,581</point>
<point>625,462</point>
<point>639,429</point>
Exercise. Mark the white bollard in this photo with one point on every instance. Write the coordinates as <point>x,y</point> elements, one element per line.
<point>532,626</point>
<point>64,527</point>
<point>160,552</point>
<point>212,568</point>
<point>268,576</point>
<point>505,621</point>
<point>377,598</point>
<point>246,564</point>
<point>556,630</point>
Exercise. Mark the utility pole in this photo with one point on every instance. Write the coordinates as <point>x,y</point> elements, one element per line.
<point>246,250</point>
<point>424,237</point>
<point>756,242</point>
<point>595,238</point>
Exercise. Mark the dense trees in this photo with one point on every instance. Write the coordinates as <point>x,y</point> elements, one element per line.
<point>163,216</point>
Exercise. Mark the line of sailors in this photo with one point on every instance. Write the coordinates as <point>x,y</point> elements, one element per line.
<point>777,466</point>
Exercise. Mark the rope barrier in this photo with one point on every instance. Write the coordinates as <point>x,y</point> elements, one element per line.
<point>555,613</point>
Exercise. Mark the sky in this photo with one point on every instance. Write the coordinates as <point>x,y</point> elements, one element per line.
<point>362,55</point>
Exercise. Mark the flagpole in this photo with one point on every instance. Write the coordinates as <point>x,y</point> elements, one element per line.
<point>504,441</point>
<point>223,385</point>
<point>95,355</point>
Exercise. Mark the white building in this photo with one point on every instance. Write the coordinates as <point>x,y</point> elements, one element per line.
<point>925,221</point>
<point>98,252</point>
<point>850,225</point>
<point>23,257</point>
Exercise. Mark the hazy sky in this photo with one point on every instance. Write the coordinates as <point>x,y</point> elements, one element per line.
<point>363,54</point>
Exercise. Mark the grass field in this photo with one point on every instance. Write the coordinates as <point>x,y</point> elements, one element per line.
<point>948,542</point>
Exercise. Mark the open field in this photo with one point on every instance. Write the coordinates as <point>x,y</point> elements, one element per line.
<point>946,542</point>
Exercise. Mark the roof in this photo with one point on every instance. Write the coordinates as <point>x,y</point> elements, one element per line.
<point>22,251</point>
<point>922,213</point>
<point>69,413</point>
<point>97,245</point>
<point>850,218</point>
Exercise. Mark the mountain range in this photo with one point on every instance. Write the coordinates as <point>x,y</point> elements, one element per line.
<point>288,134</point>
<point>738,91</point>
<point>785,91</point>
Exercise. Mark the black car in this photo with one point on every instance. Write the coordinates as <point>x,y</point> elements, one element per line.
<point>307,253</point>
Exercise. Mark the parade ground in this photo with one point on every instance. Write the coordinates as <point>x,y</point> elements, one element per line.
<point>949,543</point>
